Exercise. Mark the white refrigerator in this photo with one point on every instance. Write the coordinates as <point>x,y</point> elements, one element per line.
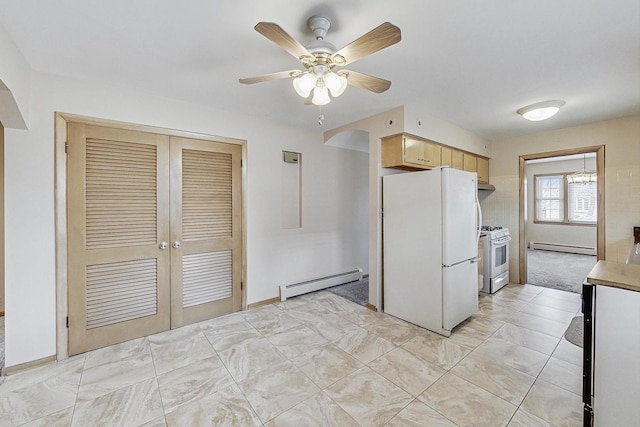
<point>431,226</point>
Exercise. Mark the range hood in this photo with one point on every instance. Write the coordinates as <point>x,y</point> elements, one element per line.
<point>486,187</point>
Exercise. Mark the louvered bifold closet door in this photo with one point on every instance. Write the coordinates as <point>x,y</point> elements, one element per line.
<point>206,260</point>
<point>118,216</point>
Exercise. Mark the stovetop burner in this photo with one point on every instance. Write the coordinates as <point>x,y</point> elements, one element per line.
<point>490,228</point>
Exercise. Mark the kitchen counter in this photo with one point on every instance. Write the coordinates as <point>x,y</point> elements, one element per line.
<point>615,274</point>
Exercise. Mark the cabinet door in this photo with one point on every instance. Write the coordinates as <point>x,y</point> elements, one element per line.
<point>392,151</point>
<point>457,160</point>
<point>431,156</point>
<point>469,162</point>
<point>483,170</point>
<point>413,151</point>
<point>446,155</point>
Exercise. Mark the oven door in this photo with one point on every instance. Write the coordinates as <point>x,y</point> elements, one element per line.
<point>499,256</point>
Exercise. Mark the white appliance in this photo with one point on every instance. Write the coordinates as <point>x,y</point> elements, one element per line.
<point>610,387</point>
<point>431,227</point>
<point>493,249</point>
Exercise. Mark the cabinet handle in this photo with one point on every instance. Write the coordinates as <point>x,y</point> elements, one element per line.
<point>163,245</point>
<point>176,245</point>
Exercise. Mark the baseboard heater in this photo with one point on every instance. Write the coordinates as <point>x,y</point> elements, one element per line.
<point>584,250</point>
<point>295,289</point>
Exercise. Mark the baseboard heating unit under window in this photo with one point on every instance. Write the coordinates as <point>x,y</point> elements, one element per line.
<point>584,250</point>
<point>295,289</point>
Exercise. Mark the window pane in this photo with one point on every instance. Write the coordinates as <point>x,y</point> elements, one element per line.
<point>582,202</point>
<point>550,198</point>
<point>550,210</point>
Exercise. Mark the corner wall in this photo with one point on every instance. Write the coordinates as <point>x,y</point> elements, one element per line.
<point>15,84</point>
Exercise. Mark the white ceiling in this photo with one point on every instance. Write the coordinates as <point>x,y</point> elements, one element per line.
<point>470,62</point>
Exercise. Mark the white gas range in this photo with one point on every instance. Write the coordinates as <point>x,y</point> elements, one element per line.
<point>493,248</point>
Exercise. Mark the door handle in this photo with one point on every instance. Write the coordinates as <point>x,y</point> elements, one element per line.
<point>175,245</point>
<point>163,245</point>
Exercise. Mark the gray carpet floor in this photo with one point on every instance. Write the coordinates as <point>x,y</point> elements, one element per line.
<point>558,270</point>
<point>357,292</point>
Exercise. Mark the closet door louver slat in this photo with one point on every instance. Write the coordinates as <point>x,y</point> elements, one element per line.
<point>133,295</point>
<point>206,195</point>
<point>121,202</point>
<point>206,278</point>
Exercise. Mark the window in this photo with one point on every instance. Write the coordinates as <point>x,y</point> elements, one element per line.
<point>550,198</point>
<point>559,202</point>
<point>582,202</point>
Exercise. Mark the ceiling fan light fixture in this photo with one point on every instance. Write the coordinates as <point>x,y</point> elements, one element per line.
<point>320,95</point>
<point>304,84</point>
<point>336,83</point>
<point>319,57</point>
<point>541,110</point>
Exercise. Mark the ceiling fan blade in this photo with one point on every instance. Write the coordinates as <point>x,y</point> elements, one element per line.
<point>276,34</point>
<point>363,81</point>
<point>267,77</point>
<point>377,39</point>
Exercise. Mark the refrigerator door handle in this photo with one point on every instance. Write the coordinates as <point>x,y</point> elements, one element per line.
<point>478,219</point>
<point>472,261</point>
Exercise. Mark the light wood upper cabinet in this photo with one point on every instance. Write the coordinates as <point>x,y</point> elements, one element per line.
<point>431,154</point>
<point>408,152</point>
<point>457,159</point>
<point>446,155</point>
<point>483,170</point>
<point>413,151</point>
<point>469,162</point>
<point>400,151</point>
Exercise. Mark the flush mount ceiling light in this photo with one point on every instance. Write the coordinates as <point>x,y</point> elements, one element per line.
<point>541,110</point>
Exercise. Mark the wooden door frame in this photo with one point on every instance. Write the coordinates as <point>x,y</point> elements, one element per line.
<point>600,225</point>
<point>60,179</point>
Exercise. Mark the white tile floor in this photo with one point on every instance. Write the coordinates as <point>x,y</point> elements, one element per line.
<point>322,360</point>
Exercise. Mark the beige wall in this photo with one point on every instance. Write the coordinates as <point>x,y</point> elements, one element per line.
<point>621,138</point>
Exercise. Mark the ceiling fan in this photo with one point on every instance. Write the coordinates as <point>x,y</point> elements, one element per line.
<point>317,82</point>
